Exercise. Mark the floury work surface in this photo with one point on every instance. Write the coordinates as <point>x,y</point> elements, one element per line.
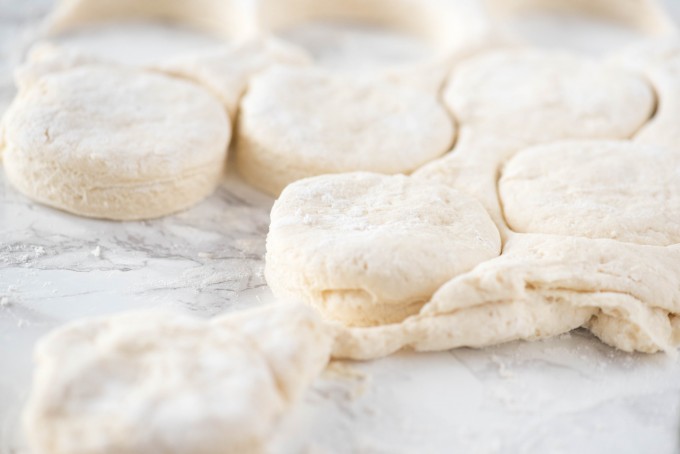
<point>569,394</point>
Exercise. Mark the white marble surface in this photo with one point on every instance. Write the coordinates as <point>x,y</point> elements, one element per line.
<point>565,395</point>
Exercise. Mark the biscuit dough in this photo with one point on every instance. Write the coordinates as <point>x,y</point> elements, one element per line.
<point>507,100</point>
<point>226,18</point>
<point>659,61</point>
<point>301,122</point>
<point>112,142</point>
<point>146,382</point>
<point>542,286</point>
<point>595,189</point>
<point>386,121</point>
<point>368,249</point>
<point>227,70</point>
<point>648,16</point>
<point>599,248</point>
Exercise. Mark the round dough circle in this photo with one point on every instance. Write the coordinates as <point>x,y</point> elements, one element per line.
<point>150,382</point>
<point>116,143</point>
<point>595,189</point>
<point>370,249</point>
<point>297,123</point>
<point>534,97</point>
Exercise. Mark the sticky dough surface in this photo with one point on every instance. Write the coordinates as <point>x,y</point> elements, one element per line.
<point>113,142</point>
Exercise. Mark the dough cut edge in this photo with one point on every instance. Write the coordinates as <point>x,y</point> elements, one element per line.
<point>124,202</point>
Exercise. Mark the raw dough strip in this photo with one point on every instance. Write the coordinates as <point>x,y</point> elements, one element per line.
<point>368,249</point>
<point>659,61</point>
<point>540,287</point>
<point>226,18</point>
<point>505,101</point>
<point>455,29</point>
<point>648,16</point>
<point>144,382</point>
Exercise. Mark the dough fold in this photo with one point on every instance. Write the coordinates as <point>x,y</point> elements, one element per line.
<point>542,286</point>
<point>145,382</point>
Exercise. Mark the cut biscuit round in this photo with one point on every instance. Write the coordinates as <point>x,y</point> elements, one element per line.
<point>297,123</point>
<point>595,189</point>
<point>369,249</point>
<point>225,18</point>
<point>114,142</point>
<point>535,97</point>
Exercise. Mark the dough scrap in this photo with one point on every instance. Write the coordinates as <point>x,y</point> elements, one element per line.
<point>659,61</point>
<point>648,16</point>
<point>446,24</point>
<point>113,142</point>
<point>301,122</point>
<point>541,286</point>
<point>226,18</point>
<point>146,382</point>
<point>505,101</point>
<point>596,189</point>
<point>227,70</point>
<point>368,249</point>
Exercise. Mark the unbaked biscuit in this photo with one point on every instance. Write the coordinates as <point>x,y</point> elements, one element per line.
<point>595,189</point>
<point>113,142</point>
<point>367,249</point>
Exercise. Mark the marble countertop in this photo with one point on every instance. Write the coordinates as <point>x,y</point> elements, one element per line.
<point>564,395</point>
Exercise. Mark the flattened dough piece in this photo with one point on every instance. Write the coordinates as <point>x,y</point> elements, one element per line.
<point>146,382</point>
<point>595,189</point>
<point>114,142</point>
<point>536,96</point>
<point>226,71</point>
<point>541,286</point>
<point>507,100</point>
<point>369,249</point>
<point>298,123</point>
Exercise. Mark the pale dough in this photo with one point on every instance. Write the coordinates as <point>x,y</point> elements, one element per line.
<point>505,101</point>
<point>659,61</point>
<point>595,189</point>
<point>226,18</point>
<point>227,70</point>
<point>368,249</point>
<point>601,251</point>
<point>147,382</point>
<point>301,122</point>
<point>648,16</point>
<point>446,24</point>
<point>541,286</point>
<point>112,142</point>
